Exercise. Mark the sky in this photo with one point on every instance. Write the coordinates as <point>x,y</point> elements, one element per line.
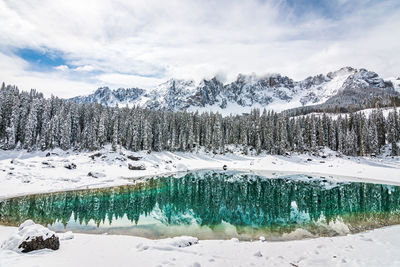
<point>69,48</point>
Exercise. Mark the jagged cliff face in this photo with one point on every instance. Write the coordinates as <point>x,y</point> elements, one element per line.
<point>271,91</point>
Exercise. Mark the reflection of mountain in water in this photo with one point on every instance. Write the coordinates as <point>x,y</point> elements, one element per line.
<point>209,198</point>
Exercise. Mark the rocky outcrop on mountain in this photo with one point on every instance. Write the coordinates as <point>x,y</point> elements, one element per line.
<point>108,97</point>
<point>360,86</point>
<point>347,85</point>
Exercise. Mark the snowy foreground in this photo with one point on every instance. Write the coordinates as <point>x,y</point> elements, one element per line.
<point>377,248</point>
<point>26,173</point>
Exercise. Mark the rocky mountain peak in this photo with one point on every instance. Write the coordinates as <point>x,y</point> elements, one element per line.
<point>248,91</point>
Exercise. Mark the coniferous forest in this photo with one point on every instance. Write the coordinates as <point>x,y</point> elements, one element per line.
<point>30,121</point>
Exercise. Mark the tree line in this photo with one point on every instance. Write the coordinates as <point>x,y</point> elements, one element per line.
<point>30,121</point>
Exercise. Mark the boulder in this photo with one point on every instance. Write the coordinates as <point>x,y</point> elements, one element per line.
<point>136,167</point>
<point>96,174</point>
<point>134,158</point>
<point>96,155</point>
<point>258,254</point>
<point>70,166</point>
<point>30,237</point>
<point>47,164</point>
<point>40,242</point>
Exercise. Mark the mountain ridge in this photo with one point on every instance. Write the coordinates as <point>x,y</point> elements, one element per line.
<point>274,91</point>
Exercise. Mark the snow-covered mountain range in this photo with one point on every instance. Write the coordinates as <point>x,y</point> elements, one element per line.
<point>272,91</point>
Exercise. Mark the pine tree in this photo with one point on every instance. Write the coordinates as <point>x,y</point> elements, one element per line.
<point>373,143</point>
<point>243,137</point>
<point>283,136</point>
<point>11,135</point>
<point>115,130</point>
<point>30,128</point>
<point>380,123</point>
<point>101,135</point>
<point>392,132</point>
<point>332,135</point>
<point>191,135</point>
<point>269,145</point>
<point>147,135</point>
<point>298,137</point>
<point>313,135</point>
<point>217,135</point>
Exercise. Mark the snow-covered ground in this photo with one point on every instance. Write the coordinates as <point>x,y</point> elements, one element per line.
<point>375,248</point>
<point>25,173</point>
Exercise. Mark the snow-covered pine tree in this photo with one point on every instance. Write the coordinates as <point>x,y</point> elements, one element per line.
<point>30,128</point>
<point>101,134</point>
<point>313,133</point>
<point>65,140</point>
<point>191,136</point>
<point>11,135</point>
<point>115,129</point>
<point>283,136</point>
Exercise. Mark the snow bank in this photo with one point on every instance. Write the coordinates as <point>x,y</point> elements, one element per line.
<point>66,236</point>
<point>168,243</point>
<point>373,248</point>
<point>182,241</point>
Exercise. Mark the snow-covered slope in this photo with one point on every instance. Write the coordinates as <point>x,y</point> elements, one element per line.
<point>396,83</point>
<point>249,91</point>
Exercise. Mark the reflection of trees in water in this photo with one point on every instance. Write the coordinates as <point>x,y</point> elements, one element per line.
<point>253,201</point>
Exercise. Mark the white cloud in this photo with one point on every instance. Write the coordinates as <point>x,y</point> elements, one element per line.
<point>141,43</point>
<point>62,68</point>
<point>54,83</point>
<point>116,80</point>
<point>84,68</point>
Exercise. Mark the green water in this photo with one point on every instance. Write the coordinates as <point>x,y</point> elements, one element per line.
<point>215,205</point>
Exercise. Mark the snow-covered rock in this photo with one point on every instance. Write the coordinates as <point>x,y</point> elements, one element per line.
<point>258,254</point>
<point>96,174</point>
<point>181,241</point>
<point>168,244</point>
<point>30,237</point>
<point>66,236</point>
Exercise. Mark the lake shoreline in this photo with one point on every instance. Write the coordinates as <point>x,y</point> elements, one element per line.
<point>27,173</point>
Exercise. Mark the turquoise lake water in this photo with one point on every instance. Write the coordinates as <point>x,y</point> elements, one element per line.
<point>215,205</point>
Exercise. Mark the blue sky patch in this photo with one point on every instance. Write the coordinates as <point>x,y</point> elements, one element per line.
<point>328,9</point>
<point>42,59</point>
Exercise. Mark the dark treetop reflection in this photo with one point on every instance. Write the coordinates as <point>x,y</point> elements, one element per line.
<point>213,204</point>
